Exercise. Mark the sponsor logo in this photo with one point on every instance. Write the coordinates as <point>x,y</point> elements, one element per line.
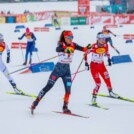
<point>101,50</point>
<point>53,77</point>
<point>1,49</point>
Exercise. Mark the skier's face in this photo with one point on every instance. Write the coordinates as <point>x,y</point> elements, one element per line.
<point>101,42</point>
<point>69,39</point>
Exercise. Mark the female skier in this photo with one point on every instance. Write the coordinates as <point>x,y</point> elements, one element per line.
<point>65,51</point>
<point>97,67</point>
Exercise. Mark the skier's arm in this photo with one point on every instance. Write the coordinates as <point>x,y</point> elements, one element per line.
<point>8,53</point>
<point>21,36</point>
<point>84,49</point>
<point>33,36</point>
<point>112,33</point>
<point>59,48</point>
<point>108,56</point>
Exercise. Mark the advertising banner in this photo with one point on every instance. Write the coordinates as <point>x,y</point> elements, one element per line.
<point>21,18</point>
<point>83,7</point>
<point>78,20</point>
<point>2,19</point>
<point>108,19</point>
<point>17,45</point>
<point>31,18</point>
<point>10,19</point>
<point>122,19</point>
<point>42,15</point>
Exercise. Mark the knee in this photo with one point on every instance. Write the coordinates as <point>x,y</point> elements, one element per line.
<point>47,87</point>
<point>68,87</point>
<point>98,85</point>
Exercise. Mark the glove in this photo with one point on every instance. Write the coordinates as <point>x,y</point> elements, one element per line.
<point>89,46</point>
<point>69,50</point>
<point>109,62</point>
<point>115,35</point>
<point>86,66</point>
<point>19,38</point>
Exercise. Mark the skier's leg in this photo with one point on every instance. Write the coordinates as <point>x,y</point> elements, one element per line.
<point>67,84</point>
<point>31,52</point>
<point>95,74</point>
<point>52,79</point>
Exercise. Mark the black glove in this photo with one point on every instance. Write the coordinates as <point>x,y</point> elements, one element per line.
<point>109,62</point>
<point>115,35</point>
<point>19,38</point>
<point>89,46</point>
<point>86,66</point>
<point>8,57</point>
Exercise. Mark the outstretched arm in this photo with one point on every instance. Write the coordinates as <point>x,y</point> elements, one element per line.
<point>21,36</point>
<point>33,36</point>
<point>112,33</point>
<point>84,49</point>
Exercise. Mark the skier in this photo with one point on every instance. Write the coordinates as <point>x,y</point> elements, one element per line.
<point>30,44</point>
<point>107,33</point>
<point>97,67</point>
<point>65,51</point>
<point>3,68</point>
<point>55,20</point>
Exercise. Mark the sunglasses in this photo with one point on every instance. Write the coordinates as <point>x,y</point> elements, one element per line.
<point>70,37</point>
<point>102,39</point>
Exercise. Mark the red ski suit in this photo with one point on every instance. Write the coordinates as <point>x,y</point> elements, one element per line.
<point>97,66</point>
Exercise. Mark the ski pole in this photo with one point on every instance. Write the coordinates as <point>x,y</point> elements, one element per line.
<point>33,64</point>
<point>38,56</point>
<point>21,50</point>
<point>77,69</point>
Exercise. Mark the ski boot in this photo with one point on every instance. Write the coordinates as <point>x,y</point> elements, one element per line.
<point>17,91</point>
<point>34,104</point>
<point>93,101</point>
<point>25,63</point>
<point>112,94</point>
<point>65,108</point>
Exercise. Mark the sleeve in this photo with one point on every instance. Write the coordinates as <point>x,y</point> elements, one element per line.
<point>78,47</point>
<point>59,48</point>
<point>85,57</point>
<point>33,36</point>
<point>111,32</point>
<point>22,36</point>
<point>7,49</point>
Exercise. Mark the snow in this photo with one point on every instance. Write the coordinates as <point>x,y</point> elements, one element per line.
<point>15,117</point>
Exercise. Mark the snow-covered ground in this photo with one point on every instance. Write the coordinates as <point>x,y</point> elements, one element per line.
<point>15,117</point>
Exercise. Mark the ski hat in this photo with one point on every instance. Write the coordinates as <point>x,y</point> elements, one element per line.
<point>1,37</point>
<point>100,35</point>
<point>68,34</point>
<point>27,30</point>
